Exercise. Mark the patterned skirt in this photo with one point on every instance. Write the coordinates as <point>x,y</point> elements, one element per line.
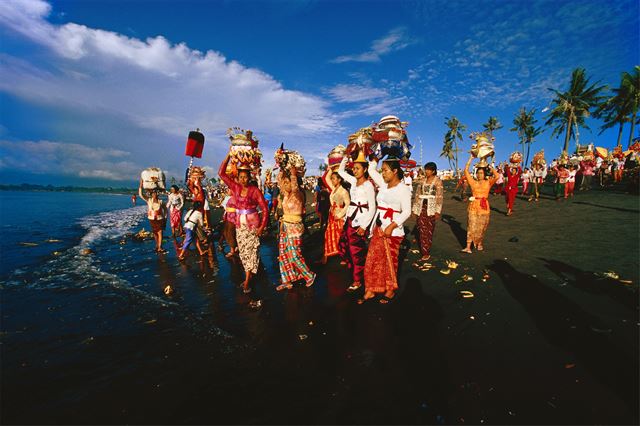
<point>332,236</point>
<point>426,225</point>
<point>175,218</point>
<point>477,226</point>
<point>353,250</point>
<point>381,267</point>
<point>248,244</point>
<point>292,264</point>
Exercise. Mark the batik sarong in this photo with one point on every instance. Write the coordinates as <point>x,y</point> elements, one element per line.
<point>175,218</point>
<point>332,236</point>
<point>478,224</point>
<point>381,267</point>
<point>353,250</point>
<point>292,264</point>
<point>248,244</point>
<point>426,226</point>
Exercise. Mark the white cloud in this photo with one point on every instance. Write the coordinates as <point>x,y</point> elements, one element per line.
<point>57,158</point>
<point>355,93</point>
<point>395,40</point>
<point>152,84</point>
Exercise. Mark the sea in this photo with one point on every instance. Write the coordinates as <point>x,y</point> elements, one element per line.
<point>88,333</point>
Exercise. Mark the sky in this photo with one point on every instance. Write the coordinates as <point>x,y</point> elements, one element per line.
<point>92,92</point>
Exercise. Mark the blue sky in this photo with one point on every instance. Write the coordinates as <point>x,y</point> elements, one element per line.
<point>92,92</point>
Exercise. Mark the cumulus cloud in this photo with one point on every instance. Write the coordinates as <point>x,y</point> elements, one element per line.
<point>396,39</point>
<point>151,84</point>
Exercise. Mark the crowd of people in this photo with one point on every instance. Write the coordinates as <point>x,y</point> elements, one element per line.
<point>361,210</point>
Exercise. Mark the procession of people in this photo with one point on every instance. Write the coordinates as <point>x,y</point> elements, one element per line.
<point>362,202</point>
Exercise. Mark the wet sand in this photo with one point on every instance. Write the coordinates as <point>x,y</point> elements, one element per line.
<point>543,341</point>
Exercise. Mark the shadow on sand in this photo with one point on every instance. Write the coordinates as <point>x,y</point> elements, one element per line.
<point>591,283</point>
<point>566,325</point>
<point>456,229</point>
<point>619,209</point>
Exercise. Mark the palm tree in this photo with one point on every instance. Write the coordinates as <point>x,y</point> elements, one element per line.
<point>572,107</point>
<point>521,123</point>
<point>491,125</point>
<point>614,111</point>
<point>524,123</point>
<point>454,133</point>
<point>529,135</point>
<point>631,85</point>
<point>447,151</point>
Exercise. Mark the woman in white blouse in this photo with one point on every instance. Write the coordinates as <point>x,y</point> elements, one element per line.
<point>362,207</point>
<point>393,209</point>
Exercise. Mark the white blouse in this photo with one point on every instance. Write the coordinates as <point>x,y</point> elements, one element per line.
<point>361,195</point>
<point>397,198</point>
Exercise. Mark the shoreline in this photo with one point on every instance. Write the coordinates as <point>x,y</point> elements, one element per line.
<point>545,339</point>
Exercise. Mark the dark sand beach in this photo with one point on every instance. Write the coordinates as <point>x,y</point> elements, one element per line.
<point>546,339</point>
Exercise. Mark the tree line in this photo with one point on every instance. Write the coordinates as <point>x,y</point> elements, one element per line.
<point>566,114</point>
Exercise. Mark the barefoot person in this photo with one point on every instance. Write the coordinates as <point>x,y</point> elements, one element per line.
<point>175,204</point>
<point>478,210</point>
<point>249,223</point>
<point>427,205</point>
<point>512,173</point>
<point>157,215</point>
<point>539,174</point>
<point>362,207</point>
<point>291,261</point>
<point>339,201</point>
<point>229,224</point>
<point>393,209</point>
<point>192,220</point>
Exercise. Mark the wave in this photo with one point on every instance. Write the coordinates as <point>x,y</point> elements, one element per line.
<point>76,268</point>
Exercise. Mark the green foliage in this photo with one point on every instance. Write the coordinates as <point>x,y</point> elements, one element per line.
<point>570,108</point>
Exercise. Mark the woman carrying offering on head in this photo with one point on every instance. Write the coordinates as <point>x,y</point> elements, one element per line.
<point>175,204</point>
<point>393,209</point>
<point>292,264</point>
<point>478,210</point>
<point>339,203</point>
<point>157,215</point>
<point>362,207</point>
<point>427,205</point>
<point>513,173</point>
<point>249,223</point>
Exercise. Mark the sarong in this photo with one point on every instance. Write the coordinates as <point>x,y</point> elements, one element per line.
<point>477,226</point>
<point>568,189</point>
<point>292,264</point>
<point>248,244</point>
<point>332,236</point>
<point>157,225</point>
<point>381,267</point>
<point>353,250</point>
<point>175,218</point>
<point>426,226</point>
